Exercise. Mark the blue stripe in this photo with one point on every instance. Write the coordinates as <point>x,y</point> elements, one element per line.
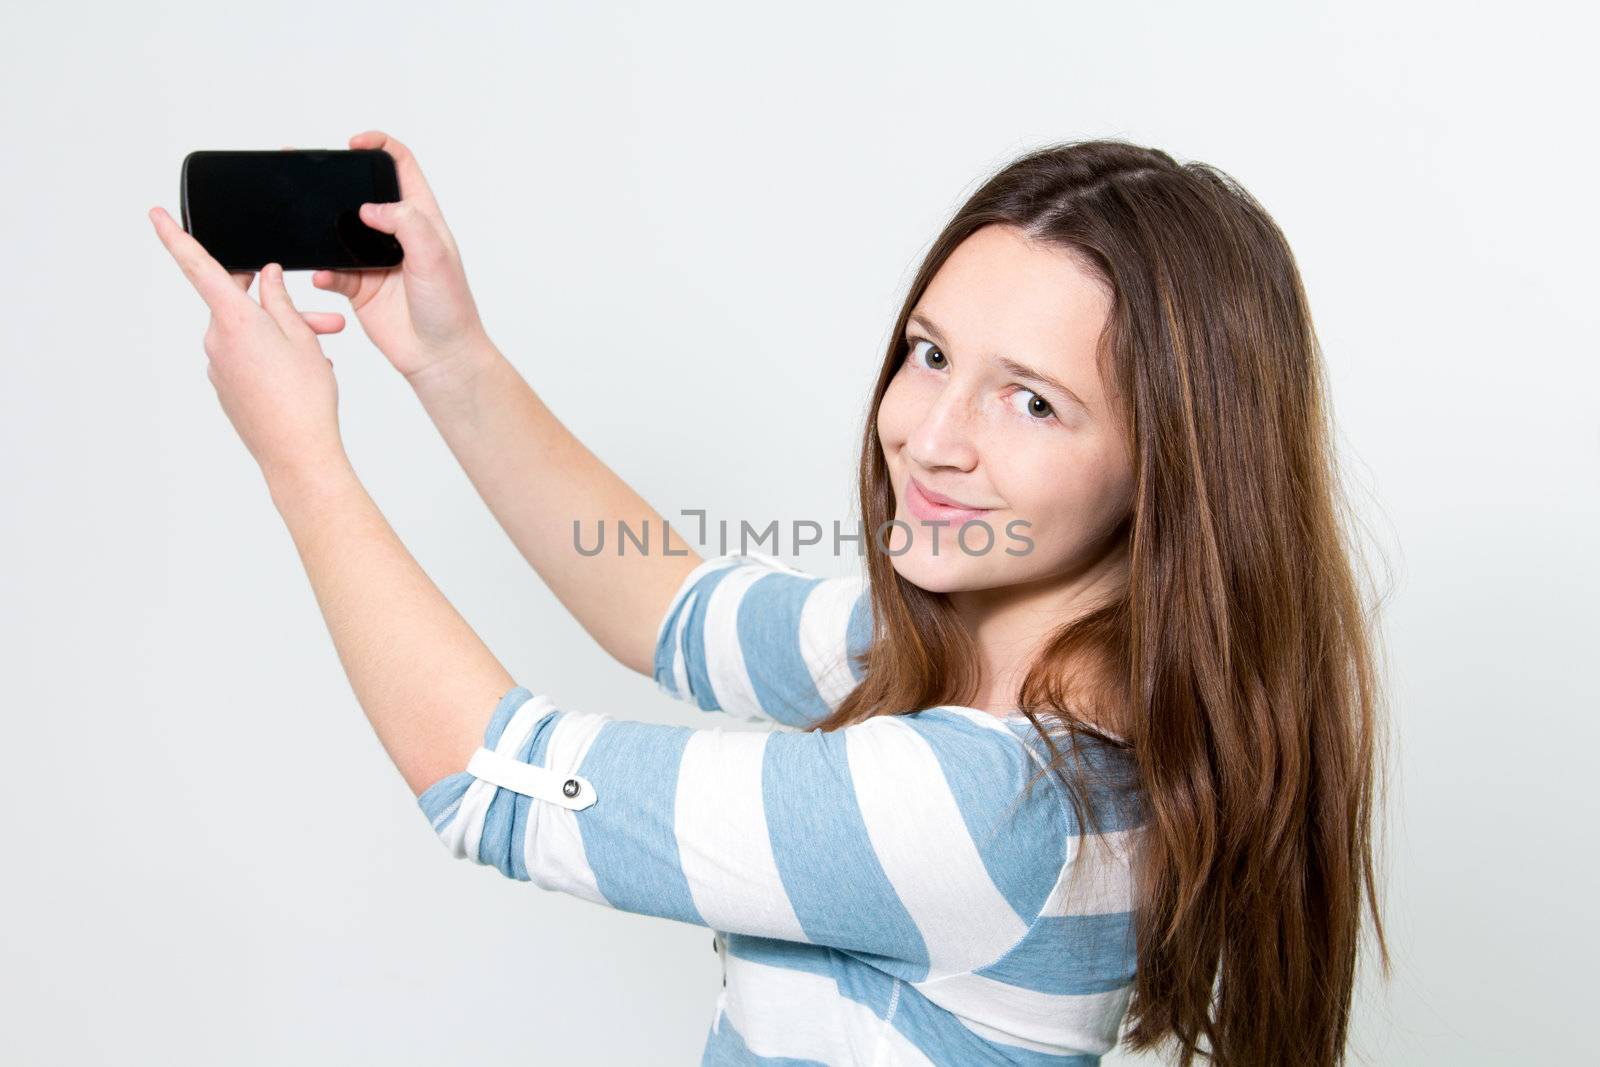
<point>790,955</point>
<point>986,770</point>
<point>1108,782</point>
<point>1071,955</point>
<point>495,844</point>
<point>515,697</point>
<point>629,833</point>
<point>667,643</point>
<point>769,637</point>
<point>842,897</point>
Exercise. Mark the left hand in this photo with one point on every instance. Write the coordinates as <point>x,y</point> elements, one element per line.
<point>276,385</point>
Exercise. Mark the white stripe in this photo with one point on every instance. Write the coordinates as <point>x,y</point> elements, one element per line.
<point>768,561</point>
<point>723,843</point>
<point>824,635</point>
<point>1097,876</point>
<point>1087,1022</point>
<point>784,1012</point>
<point>980,717</point>
<point>553,850</point>
<point>1000,1037</point>
<point>921,839</point>
<point>464,833</point>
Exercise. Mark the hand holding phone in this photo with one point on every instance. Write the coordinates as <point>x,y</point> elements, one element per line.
<point>420,314</point>
<point>368,224</point>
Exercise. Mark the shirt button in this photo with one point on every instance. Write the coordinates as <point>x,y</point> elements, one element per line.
<point>570,787</point>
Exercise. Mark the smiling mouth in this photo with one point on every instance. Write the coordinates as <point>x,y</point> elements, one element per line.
<point>929,510</point>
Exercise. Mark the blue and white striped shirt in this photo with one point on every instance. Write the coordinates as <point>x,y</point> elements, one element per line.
<point>881,894</point>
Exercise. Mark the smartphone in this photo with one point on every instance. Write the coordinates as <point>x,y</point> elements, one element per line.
<point>295,207</point>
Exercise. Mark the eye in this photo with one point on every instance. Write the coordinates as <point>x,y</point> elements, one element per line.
<point>1037,408</point>
<point>915,341</point>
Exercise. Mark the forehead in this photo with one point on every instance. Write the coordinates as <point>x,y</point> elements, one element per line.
<point>999,294</point>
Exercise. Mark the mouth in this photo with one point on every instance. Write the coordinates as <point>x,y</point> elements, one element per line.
<point>935,507</point>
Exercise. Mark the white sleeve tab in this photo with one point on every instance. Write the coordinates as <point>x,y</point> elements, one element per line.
<point>568,790</point>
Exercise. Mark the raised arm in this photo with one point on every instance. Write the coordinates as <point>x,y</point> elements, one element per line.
<point>537,478</point>
<point>533,473</point>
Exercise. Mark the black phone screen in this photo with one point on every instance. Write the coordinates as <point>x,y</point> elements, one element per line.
<point>295,207</point>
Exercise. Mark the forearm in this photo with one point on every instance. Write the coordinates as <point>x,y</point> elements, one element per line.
<point>426,681</point>
<point>538,479</point>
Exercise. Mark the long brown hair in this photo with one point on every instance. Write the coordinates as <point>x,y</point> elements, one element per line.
<point>1239,661</point>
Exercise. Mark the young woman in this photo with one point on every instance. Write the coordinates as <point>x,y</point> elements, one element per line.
<point>1113,760</point>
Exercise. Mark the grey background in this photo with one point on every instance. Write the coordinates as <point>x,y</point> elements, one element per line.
<point>690,227</point>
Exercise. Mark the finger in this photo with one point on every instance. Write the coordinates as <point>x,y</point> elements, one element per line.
<point>323,321</point>
<point>220,291</point>
<point>419,237</point>
<point>413,186</point>
<point>344,282</point>
<point>275,298</point>
<point>243,278</point>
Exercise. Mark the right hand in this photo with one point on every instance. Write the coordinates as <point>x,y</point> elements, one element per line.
<point>420,314</point>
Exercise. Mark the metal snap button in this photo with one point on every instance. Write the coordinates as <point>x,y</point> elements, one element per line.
<point>571,787</point>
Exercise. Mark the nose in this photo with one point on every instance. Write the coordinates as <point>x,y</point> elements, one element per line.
<point>945,435</point>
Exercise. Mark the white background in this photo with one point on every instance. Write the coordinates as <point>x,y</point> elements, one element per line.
<point>690,226</point>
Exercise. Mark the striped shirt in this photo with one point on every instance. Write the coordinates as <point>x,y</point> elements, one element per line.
<point>880,894</point>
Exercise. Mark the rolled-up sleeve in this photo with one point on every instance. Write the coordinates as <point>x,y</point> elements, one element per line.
<point>758,639</point>
<point>905,838</point>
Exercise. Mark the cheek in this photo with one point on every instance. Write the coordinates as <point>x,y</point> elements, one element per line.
<point>1056,485</point>
<point>1035,483</point>
<point>897,414</point>
<point>1069,495</point>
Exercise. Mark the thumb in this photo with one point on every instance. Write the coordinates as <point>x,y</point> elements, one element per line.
<point>418,239</point>
<point>275,299</point>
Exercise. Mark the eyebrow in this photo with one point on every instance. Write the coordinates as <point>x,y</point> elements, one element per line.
<point>1010,366</point>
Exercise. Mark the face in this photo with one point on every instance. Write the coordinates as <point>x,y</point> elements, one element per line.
<point>998,405</point>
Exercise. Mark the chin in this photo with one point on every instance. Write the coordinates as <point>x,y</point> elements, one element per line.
<point>951,569</point>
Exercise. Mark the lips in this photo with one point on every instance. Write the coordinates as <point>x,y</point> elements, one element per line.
<point>936,507</point>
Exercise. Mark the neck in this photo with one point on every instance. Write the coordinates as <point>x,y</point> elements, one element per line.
<point>1010,624</point>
